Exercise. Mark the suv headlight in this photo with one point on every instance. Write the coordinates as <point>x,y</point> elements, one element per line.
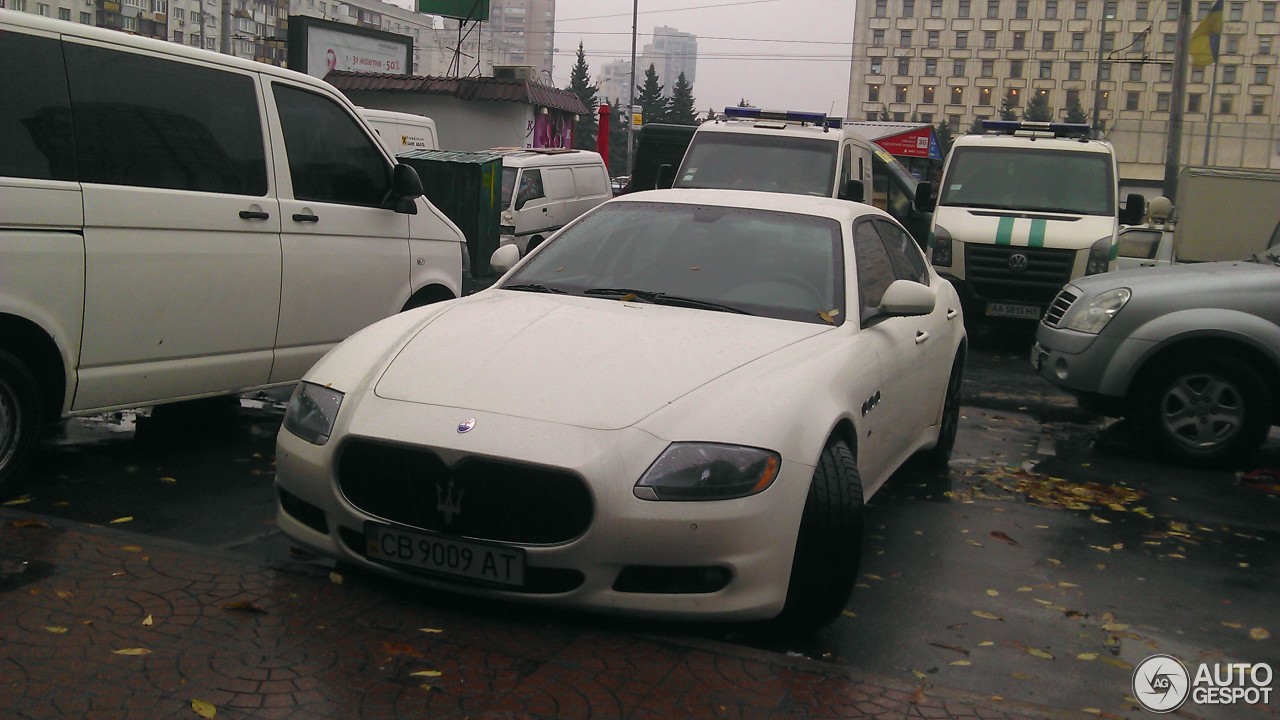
<point>1095,316</point>
<point>312,411</point>
<point>940,247</point>
<point>1101,253</point>
<point>708,471</point>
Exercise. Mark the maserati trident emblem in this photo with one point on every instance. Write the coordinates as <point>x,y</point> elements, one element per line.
<point>449,505</point>
<point>466,425</point>
<point>1017,262</point>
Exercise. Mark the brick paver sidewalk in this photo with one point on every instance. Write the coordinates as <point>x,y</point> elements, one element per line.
<point>100,623</point>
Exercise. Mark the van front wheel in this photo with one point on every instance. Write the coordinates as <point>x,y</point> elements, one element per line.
<point>19,416</point>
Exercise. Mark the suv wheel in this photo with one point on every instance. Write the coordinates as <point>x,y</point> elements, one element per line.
<point>19,416</point>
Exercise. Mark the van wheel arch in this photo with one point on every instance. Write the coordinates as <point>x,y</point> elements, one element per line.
<point>534,242</point>
<point>32,346</point>
<point>428,295</point>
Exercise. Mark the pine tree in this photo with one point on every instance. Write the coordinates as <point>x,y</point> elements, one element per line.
<point>976,127</point>
<point>1009,105</point>
<point>711,114</point>
<point>1038,109</point>
<point>1075,111</point>
<point>943,132</point>
<point>681,110</point>
<point>652,104</point>
<point>884,114</point>
<point>584,131</point>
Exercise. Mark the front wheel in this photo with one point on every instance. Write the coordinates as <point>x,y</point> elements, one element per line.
<point>19,416</point>
<point>828,543</point>
<point>1210,410</point>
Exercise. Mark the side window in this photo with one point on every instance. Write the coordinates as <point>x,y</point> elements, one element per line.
<point>1139,243</point>
<point>35,116</point>
<point>904,253</point>
<point>530,187</point>
<point>875,270</point>
<point>148,122</point>
<point>331,159</point>
<point>846,163</point>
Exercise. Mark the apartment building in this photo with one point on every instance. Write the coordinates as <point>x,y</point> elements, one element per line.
<point>614,80</point>
<point>957,61</point>
<point>672,52</point>
<point>523,33</point>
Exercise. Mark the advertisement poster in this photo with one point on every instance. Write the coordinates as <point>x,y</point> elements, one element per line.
<point>553,130</point>
<point>329,50</point>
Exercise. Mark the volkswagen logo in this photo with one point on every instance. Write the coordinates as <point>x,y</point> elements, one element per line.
<point>1017,262</point>
<point>466,425</point>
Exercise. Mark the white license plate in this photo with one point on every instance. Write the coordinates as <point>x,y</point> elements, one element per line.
<point>1029,312</point>
<point>500,564</point>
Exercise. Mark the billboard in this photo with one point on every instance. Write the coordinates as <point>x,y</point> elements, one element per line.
<point>460,9</point>
<point>318,46</point>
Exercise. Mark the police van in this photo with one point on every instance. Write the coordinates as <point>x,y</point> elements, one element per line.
<point>1022,209</point>
<point>804,153</point>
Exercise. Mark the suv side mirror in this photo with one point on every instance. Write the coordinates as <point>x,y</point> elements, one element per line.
<point>1135,208</point>
<point>666,176</point>
<point>924,200</point>
<point>852,190</point>
<point>406,187</point>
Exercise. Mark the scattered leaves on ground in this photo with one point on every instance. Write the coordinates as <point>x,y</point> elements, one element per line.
<point>56,629</point>
<point>148,621</point>
<point>125,519</point>
<point>1259,633</point>
<point>426,673</point>
<point>1040,653</point>
<point>985,615</point>
<point>131,651</point>
<point>202,708</point>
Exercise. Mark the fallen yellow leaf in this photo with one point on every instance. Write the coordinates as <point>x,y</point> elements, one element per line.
<point>1024,588</point>
<point>335,578</point>
<point>1115,627</point>
<point>64,594</point>
<point>430,630</point>
<point>1233,625</point>
<point>985,615</point>
<point>993,593</point>
<point>1100,521</point>
<point>148,621</point>
<point>961,663</point>
<point>20,500</point>
<point>1093,711</point>
<point>1040,653</point>
<point>56,629</point>
<point>168,480</point>
<point>919,674</point>
<point>1087,656</point>
<point>125,519</point>
<point>130,548</point>
<point>1259,633</point>
<point>132,651</point>
<point>985,643</point>
<point>202,708</point>
<point>425,673</point>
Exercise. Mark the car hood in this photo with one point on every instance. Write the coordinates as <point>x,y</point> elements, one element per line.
<point>586,362</point>
<point>1186,280</point>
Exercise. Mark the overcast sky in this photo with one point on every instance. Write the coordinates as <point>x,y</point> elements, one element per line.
<point>777,54</point>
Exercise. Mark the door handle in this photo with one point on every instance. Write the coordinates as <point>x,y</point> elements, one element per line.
<point>254,215</point>
<point>305,217</point>
<point>951,313</point>
<point>921,336</point>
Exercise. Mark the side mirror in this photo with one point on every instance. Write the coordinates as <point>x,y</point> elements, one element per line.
<point>406,187</point>
<point>504,258</point>
<point>1135,209</point>
<point>924,200</point>
<point>666,177</point>
<point>906,297</point>
<point>852,190</point>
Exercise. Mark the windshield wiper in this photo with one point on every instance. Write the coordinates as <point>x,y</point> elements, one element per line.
<point>535,287</point>
<point>661,298</point>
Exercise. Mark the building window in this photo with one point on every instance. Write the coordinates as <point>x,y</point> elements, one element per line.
<point>1131,100</point>
<point>873,93</point>
<point>953,123</point>
<point>984,96</point>
<point>962,40</point>
<point>882,8</point>
<point>1015,68</point>
<point>1237,12</point>
<point>1167,42</point>
<point>1264,45</point>
<point>877,38</point>
<point>42,9</point>
<point>64,13</point>
<point>129,23</point>
<point>957,68</point>
<point>1046,41</point>
<point>1082,9</point>
<point>1224,105</point>
<point>1140,10</point>
<point>931,66</point>
<point>1197,74</point>
<point>904,39</point>
<point>1104,72</point>
<point>1166,72</point>
<point>935,8</point>
<point>1110,10</point>
<point>1171,10</point>
<point>989,39</point>
<point>1139,44</point>
<point>988,68</point>
<point>932,38</point>
<point>1269,11</point>
<point>964,9</point>
<point>877,66</point>
<point>908,8</point>
<point>926,118</point>
<point>1020,8</point>
<point>1162,102</point>
<point>1193,102</point>
<point>1258,105</point>
<point>900,93</point>
<point>873,116</point>
<point>1073,97</point>
<point>86,18</point>
<point>957,95</point>
<point>1106,100</point>
<point>1077,41</point>
<point>1259,74</point>
<point>904,66</point>
<point>1019,40</point>
<point>1073,70</point>
<point>1228,74</point>
<point>993,8</point>
<point>1014,98</point>
<point>1050,9</point>
<point>1233,44</point>
<point>1135,72</point>
<point>1046,69</point>
<point>899,117</point>
<point>928,94</point>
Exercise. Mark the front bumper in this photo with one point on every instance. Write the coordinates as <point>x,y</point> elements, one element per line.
<point>752,538</point>
<point>1098,369</point>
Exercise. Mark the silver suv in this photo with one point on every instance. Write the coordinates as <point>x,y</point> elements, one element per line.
<point>1190,353</point>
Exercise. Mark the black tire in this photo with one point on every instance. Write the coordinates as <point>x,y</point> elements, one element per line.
<point>1210,409</point>
<point>828,544</point>
<point>20,416</point>
<point>940,454</point>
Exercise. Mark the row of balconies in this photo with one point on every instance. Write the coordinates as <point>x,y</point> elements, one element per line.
<point>1033,55</point>
<point>1069,26</point>
<point>888,82</point>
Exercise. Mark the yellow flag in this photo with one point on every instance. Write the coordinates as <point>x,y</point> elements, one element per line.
<point>1204,41</point>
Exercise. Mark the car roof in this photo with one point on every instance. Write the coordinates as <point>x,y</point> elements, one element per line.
<point>1053,143</point>
<point>840,210</point>
<point>541,157</point>
<point>775,127</point>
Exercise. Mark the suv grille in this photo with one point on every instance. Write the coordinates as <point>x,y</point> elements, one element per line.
<point>989,270</point>
<point>1059,307</point>
<point>478,498</point>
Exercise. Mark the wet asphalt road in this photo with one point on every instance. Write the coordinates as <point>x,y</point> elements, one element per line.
<point>1052,557</point>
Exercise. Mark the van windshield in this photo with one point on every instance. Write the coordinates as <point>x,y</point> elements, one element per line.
<point>1007,178</point>
<point>508,187</point>
<point>771,163</point>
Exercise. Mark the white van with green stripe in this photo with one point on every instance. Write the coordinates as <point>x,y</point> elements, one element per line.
<point>1021,210</point>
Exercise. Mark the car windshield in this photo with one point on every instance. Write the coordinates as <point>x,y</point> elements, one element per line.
<point>508,187</point>
<point>759,262</point>
<point>1006,178</point>
<point>771,163</point>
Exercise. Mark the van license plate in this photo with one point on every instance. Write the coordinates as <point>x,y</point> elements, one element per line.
<point>1010,310</point>
<point>500,564</point>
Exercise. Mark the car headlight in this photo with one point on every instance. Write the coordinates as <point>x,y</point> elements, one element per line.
<point>1095,316</point>
<point>312,411</point>
<point>1101,253</point>
<point>708,471</point>
<point>940,245</point>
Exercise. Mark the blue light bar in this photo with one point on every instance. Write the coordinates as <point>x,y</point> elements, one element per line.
<point>816,118</point>
<point>1012,127</point>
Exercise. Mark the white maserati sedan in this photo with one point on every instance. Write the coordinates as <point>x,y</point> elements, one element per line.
<point>675,408</point>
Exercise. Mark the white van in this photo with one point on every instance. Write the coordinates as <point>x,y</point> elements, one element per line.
<point>1022,209</point>
<point>402,132</point>
<point>543,189</point>
<point>176,224</point>
<point>778,151</point>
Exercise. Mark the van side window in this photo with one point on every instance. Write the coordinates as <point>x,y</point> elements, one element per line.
<point>331,158</point>
<point>35,115</point>
<point>530,187</point>
<point>147,122</point>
